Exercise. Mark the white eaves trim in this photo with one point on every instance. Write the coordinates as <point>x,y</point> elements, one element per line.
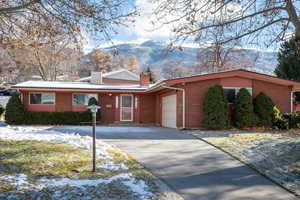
<point>52,85</point>
<point>75,85</point>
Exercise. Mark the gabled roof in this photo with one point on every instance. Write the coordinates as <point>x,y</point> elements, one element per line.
<point>234,73</point>
<point>122,74</point>
<point>50,85</point>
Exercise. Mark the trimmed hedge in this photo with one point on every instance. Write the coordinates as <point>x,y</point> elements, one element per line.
<point>215,108</point>
<point>16,114</point>
<point>57,118</point>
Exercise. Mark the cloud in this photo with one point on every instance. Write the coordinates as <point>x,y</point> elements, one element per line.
<point>144,27</point>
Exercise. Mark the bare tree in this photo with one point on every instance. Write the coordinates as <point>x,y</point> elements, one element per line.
<point>101,60</point>
<point>98,17</point>
<point>174,70</point>
<point>254,21</point>
<point>132,64</point>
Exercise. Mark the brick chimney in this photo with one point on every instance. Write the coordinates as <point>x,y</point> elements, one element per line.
<point>144,79</point>
<point>96,78</point>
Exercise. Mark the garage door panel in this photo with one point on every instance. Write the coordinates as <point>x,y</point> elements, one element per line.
<point>169,111</point>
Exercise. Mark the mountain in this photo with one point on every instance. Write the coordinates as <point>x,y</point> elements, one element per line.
<point>156,56</point>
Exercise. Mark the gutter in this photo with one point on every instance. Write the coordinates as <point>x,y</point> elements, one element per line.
<point>183,102</point>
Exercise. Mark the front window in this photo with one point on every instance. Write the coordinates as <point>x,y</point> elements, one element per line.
<point>42,98</point>
<point>83,99</point>
<point>232,93</point>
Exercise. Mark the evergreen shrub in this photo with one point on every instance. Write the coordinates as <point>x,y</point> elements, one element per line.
<point>215,108</point>
<point>15,111</point>
<point>244,115</point>
<point>263,108</point>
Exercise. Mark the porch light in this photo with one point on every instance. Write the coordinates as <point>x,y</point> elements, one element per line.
<point>94,108</point>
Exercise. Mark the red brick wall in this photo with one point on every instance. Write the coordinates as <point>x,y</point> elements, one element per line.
<point>63,102</point>
<point>195,93</point>
<point>238,82</point>
<point>147,111</point>
<point>281,95</point>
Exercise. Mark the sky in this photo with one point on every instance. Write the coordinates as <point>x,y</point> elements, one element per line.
<point>143,30</point>
<point>138,32</point>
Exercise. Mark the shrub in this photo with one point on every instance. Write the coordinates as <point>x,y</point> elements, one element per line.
<point>94,101</point>
<point>57,118</point>
<point>263,108</point>
<point>243,109</point>
<point>280,121</point>
<point>1,110</point>
<point>15,111</point>
<point>215,108</point>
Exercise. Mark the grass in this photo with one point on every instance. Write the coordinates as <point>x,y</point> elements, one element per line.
<point>275,155</point>
<point>54,160</point>
<point>43,159</point>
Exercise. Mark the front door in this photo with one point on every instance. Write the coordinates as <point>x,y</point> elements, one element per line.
<point>126,107</point>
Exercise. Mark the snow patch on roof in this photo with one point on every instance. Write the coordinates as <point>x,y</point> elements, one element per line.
<point>75,85</point>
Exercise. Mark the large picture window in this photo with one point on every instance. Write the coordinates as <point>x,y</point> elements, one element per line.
<point>83,99</point>
<point>42,98</point>
<point>232,92</point>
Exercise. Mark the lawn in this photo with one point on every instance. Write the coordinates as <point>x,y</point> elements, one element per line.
<point>42,164</point>
<point>276,155</point>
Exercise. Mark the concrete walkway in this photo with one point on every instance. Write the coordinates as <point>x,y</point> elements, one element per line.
<point>194,169</point>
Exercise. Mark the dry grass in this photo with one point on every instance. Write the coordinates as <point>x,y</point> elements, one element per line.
<point>49,159</point>
<point>275,155</point>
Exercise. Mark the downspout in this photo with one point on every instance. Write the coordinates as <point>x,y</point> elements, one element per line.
<point>183,102</point>
<point>292,101</point>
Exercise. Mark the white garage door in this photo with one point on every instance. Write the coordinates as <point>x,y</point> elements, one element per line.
<point>169,111</point>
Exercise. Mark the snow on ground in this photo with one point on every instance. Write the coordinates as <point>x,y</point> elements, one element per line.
<point>4,100</point>
<point>112,166</point>
<point>65,188</point>
<point>275,155</point>
<point>20,181</point>
<point>42,134</point>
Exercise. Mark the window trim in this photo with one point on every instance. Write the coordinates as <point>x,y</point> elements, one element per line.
<point>236,91</point>
<point>41,97</point>
<point>82,93</point>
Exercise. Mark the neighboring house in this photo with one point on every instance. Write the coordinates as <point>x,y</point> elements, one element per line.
<point>174,103</point>
<point>120,77</point>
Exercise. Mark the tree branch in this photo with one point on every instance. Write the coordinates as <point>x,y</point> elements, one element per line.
<point>13,9</point>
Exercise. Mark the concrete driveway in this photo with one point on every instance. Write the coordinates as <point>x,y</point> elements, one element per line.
<point>191,167</point>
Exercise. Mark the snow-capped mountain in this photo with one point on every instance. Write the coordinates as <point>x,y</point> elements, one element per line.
<point>155,55</point>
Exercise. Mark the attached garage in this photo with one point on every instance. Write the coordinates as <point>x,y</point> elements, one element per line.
<point>169,111</point>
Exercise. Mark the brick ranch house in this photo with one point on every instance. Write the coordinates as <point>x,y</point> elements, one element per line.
<point>175,103</point>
